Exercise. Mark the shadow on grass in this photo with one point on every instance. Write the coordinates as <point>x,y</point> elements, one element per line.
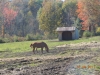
<point>4,51</point>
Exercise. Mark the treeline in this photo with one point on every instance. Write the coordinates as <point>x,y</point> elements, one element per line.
<point>38,19</point>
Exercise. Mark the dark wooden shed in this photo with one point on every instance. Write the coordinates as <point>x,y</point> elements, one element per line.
<point>67,33</point>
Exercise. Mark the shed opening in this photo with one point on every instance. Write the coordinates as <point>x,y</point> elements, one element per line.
<point>66,35</point>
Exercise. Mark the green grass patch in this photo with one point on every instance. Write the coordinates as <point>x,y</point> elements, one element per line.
<point>33,64</point>
<point>98,68</point>
<point>20,47</point>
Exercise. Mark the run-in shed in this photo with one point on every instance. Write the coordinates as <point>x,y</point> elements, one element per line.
<point>67,33</point>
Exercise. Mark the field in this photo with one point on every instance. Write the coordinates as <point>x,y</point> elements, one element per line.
<point>74,57</point>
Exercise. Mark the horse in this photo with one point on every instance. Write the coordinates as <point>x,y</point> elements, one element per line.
<point>39,45</point>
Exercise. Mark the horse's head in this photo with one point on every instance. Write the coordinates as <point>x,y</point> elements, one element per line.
<point>31,45</point>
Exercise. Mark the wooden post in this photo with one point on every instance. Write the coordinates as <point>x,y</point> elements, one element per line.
<point>60,36</point>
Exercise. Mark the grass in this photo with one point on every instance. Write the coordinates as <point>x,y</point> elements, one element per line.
<point>18,47</point>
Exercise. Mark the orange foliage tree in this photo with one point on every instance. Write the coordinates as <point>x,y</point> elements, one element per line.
<point>88,13</point>
<point>82,15</point>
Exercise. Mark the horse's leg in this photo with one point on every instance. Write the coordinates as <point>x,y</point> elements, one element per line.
<point>34,50</point>
<point>42,49</point>
<point>47,49</point>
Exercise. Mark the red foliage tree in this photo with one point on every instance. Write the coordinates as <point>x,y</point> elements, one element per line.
<point>9,15</point>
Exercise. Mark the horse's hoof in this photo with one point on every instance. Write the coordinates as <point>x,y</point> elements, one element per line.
<point>34,52</point>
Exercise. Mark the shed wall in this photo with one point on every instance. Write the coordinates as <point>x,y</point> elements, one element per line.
<point>74,35</point>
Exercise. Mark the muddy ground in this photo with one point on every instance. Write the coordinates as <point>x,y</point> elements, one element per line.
<point>73,59</point>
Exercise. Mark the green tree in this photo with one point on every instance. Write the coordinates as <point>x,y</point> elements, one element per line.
<point>69,12</point>
<point>21,20</point>
<point>77,23</point>
<point>34,6</point>
<point>50,16</point>
<point>46,17</point>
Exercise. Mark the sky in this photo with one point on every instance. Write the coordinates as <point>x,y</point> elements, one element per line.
<point>63,0</point>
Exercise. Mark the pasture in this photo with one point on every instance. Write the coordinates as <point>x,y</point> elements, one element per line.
<point>14,48</point>
<point>15,55</point>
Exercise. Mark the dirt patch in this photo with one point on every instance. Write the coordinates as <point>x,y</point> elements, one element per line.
<point>55,66</point>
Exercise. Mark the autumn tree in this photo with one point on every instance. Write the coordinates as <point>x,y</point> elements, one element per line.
<point>2,3</point>
<point>88,11</point>
<point>9,16</point>
<point>21,22</point>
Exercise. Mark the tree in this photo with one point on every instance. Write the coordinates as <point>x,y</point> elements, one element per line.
<point>46,18</point>
<point>9,16</point>
<point>69,12</point>
<point>21,22</point>
<point>50,16</point>
<point>2,4</point>
<point>34,6</point>
<point>88,11</point>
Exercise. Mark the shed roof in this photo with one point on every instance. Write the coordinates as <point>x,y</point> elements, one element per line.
<point>65,28</point>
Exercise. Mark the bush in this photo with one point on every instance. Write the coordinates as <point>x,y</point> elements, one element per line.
<point>48,35</point>
<point>38,36</point>
<point>86,34</point>
<point>80,33</point>
<point>29,37</point>
<point>1,40</point>
<point>12,39</point>
<point>7,40</point>
<point>98,31</point>
<point>15,38</point>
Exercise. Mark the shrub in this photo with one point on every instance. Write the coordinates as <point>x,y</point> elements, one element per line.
<point>48,35</point>
<point>15,38</point>
<point>81,33</point>
<point>21,39</point>
<point>7,40</point>
<point>38,36</point>
<point>98,31</point>
<point>86,34</point>
<point>29,37</point>
<point>1,40</point>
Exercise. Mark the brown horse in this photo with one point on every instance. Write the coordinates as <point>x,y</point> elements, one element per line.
<point>39,45</point>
